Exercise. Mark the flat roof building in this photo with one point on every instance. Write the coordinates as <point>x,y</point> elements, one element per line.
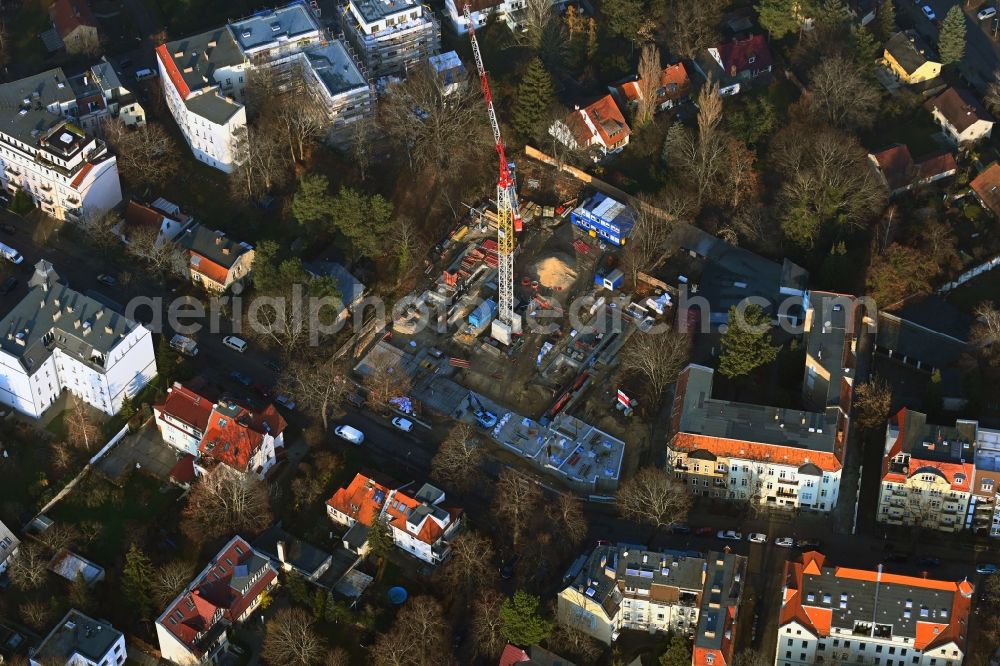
<point>81,641</point>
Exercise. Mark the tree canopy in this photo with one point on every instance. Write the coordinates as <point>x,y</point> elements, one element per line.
<point>523,623</point>
<point>951,38</point>
<point>746,344</point>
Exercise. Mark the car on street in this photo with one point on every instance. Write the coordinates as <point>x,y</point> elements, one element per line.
<point>704,531</point>
<point>350,434</point>
<point>927,561</point>
<point>405,425</point>
<point>107,280</point>
<point>240,378</point>
<point>928,12</point>
<point>508,567</point>
<point>757,537</point>
<point>235,343</point>
<point>730,535</point>
<point>8,285</point>
<point>803,544</point>
<point>285,402</point>
<point>784,542</point>
<point>986,13</point>
<point>680,528</point>
<point>986,568</point>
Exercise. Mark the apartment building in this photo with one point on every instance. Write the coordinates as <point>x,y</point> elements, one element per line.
<point>778,457</point>
<point>506,11</point>
<point>390,35</point>
<point>419,522</point>
<point>79,640</point>
<point>57,339</point>
<point>985,508</point>
<point>204,77</point>
<point>242,438</point>
<point>626,586</point>
<point>194,627</point>
<point>47,155</point>
<point>837,614</point>
<point>100,95</point>
<point>183,416</point>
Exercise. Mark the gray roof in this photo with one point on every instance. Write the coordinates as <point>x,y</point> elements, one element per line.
<point>243,572</point>
<point>951,444</point>
<point>373,10</point>
<point>8,543</point>
<point>826,343</point>
<point>301,555</point>
<point>212,106</point>
<point>268,27</point>
<point>356,536</point>
<point>917,342</point>
<point>77,633</point>
<point>542,657</point>
<point>24,121</point>
<point>909,50</point>
<point>724,575</point>
<point>430,494</point>
<point>335,68</point>
<point>705,415</point>
<point>195,52</point>
<point>211,244</point>
<point>350,287</point>
<point>53,315</point>
<point>106,75</point>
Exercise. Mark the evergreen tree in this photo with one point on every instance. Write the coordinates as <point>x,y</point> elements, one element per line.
<point>866,50</point>
<point>885,20</point>
<point>137,580</point>
<point>780,17</point>
<point>678,653</point>
<point>533,101</point>
<point>166,359</point>
<point>746,344</point>
<point>312,205</point>
<point>623,17</point>
<point>951,38</point>
<point>521,621</point>
<point>380,537</point>
<point>677,137</point>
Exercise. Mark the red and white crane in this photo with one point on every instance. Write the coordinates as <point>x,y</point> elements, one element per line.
<point>508,218</point>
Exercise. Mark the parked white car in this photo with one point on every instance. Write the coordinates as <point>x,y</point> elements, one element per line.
<point>785,542</point>
<point>757,537</point>
<point>730,535</point>
<point>986,13</point>
<point>352,435</point>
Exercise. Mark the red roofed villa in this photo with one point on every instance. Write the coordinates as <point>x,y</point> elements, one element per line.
<point>600,127</point>
<point>76,26</point>
<point>737,63</point>
<point>674,86</point>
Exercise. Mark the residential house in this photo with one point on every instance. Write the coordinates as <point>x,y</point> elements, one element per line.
<point>960,115</point>
<point>44,153</point>
<point>391,36</point>
<point>8,547</point>
<point>194,627</point>
<point>289,553</point>
<point>506,11</point>
<point>76,26</point>
<point>204,77</point>
<point>535,655</point>
<point>182,418</point>
<point>900,172</point>
<point>673,87</point>
<point>863,11</point>
<point>244,440</point>
<point>420,524</point>
<point>150,219</point>
<point>351,290</point>
<point>985,508</point>
<point>118,100</point>
<point>986,188</point>
<point>843,615</point>
<point>737,64</point>
<point>599,128</point>
<point>779,457</point>
<point>927,473</point>
<point>629,587</point>
<point>57,339</point>
<point>79,640</point>
<point>910,59</point>
<point>215,261</point>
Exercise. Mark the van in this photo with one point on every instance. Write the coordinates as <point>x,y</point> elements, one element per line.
<point>352,435</point>
<point>184,345</point>
<point>405,425</point>
<point>233,342</point>
<point>144,73</point>
<point>10,254</point>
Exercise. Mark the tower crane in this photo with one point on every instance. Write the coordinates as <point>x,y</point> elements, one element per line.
<point>508,218</point>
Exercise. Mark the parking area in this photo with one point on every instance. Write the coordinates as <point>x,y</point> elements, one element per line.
<point>141,450</point>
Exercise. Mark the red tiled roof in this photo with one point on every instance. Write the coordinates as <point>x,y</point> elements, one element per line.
<point>187,406</point>
<point>234,440</point>
<point>68,15</point>
<point>513,655</point>
<point>736,55</point>
<point>735,448</point>
<point>950,471</point>
<point>183,471</point>
<point>987,187</point>
<point>209,268</point>
<point>172,72</point>
<point>80,176</point>
<point>138,215</point>
<point>674,75</point>
<point>607,118</point>
<point>896,165</point>
<point>935,165</point>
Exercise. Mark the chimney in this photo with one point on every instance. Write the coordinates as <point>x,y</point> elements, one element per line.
<point>281,551</point>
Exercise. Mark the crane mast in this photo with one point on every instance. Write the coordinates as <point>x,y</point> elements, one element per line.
<point>508,218</point>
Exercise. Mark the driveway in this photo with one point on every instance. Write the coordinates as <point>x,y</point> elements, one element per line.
<point>143,450</point>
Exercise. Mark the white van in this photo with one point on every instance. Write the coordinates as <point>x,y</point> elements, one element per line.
<point>352,435</point>
<point>233,342</point>
<point>10,254</point>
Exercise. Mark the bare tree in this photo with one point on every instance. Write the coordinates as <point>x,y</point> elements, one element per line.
<point>657,358</point>
<point>418,637</point>
<point>408,244</point>
<point>292,640</point>
<point>985,333</point>
<point>569,640</point>
<point>316,386</point>
<point>872,402</point>
<point>568,520</point>
<point>27,570</point>
<point>842,93</point>
<point>285,107</point>
<point>487,626</point>
<point>751,657</point>
<point>102,230</point>
<point>647,240</point>
<point>161,256</point>
<point>146,154</point>
<point>517,499</point>
<point>169,580</point>
<point>58,536</point>
<point>653,497</point>
<point>262,162</point>
<point>82,429</point>
<point>992,99</point>
<point>702,158</point>
<point>457,463</point>
<point>740,180</point>
<point>691,27</point>
<point>62,455</point>
<point>37,614</point>
<point>386,379</point>
<point>470,566</point>
<point>4,47</point>
<point>535,24</point>
<point>225,501</point>
<point>649,83</point>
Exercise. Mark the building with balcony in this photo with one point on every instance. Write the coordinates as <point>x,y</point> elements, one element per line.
<point>204,77</point>
<point>678,592</point>
<point>985,508</point>
<point>45,153</point>
<point>79,640</point>
<point>100,95</point>
<point>390,35</point>
<point>832,614</point>
<point>419,522</point>
<point>194,627</point>
<point>785,458</point>
<point>57,339</point>
<point>506,11</point>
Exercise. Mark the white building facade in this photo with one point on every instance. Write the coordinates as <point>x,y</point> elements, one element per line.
<point>507,11</point>
<point>79,640</point>
<point>390,36</point>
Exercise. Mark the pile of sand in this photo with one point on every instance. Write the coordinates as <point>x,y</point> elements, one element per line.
<point>554,273</point>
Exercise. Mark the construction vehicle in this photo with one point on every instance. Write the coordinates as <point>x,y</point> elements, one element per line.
<point>485,418</point>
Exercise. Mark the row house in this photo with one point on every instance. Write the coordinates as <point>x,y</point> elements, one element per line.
<point>204,77</point>
<point>777,457</point>
<point>48,156</point>
<point>419,522</point>
<point>183,416</point>
<point>837,614</point>
<point>598,129</point>
<point>390,35</point>
<point>961,116</point>
<point>80,640</point>
<point>58,339</point>
<point>658,591</point>
<point>194,628</point>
